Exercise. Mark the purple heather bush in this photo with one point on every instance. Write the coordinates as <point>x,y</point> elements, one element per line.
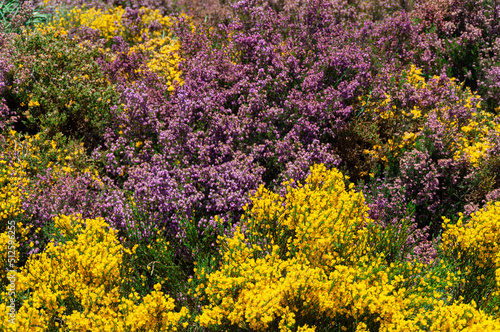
<point>276,89</point>
<point>466,36</point>
<point>70,194</point>
<point>262,99</point>
<point>125,64</point>
<point>7,117</point>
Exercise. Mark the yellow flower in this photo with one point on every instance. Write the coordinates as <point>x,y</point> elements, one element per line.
<point>159,46</point>
<point>85,269</point>
<point>416,112</point>
<point>478,240</point>
<point>33,103</point>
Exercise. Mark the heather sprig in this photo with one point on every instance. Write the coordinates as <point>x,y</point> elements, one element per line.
<point>15,14</point>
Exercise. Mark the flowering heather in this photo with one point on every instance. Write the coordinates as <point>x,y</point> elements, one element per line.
<point>6,115</point>
<point>263,165</point>
<point>240,118</point>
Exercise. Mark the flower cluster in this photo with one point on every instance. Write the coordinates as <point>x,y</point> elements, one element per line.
<point>308,257</point>
<point>75,284</point>
<point>13,176</point>
<point>474,243</point>
<point>431,134</point>
<point>147,30</point>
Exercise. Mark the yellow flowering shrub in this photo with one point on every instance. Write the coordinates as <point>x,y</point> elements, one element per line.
<point>109,22</point>
<point>158,44</point>
<point>478,238</point>
<point>305,261</point>
<point>164,58</point>
<point>24,156</point>
<point>454,317</point>
<point>271,293</point>
<point>473,143</point>
<point>13,176</point>
<point>77,284</point>
<point>320,219</point>
<point>476,243</point>
<point>295,259</point>
<point>473,139</point>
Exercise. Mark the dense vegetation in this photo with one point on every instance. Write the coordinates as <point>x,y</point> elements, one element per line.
<point>253,165</point>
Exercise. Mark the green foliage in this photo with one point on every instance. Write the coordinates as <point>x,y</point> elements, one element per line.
<point>392,240</point>
<point>16,13</point>
<point>62,90</point>
<point>174,262</point>
<point>8,10</point>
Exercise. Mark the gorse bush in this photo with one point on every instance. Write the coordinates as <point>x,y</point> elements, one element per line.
<point>63,89</point>
<point>277,165</point>
<point>289,265</point>
<point>473,244</point>
<point>293,259</point>
<point>76,284</point>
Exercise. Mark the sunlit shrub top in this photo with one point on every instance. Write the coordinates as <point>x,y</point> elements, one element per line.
<point>79,279</point>
<point>277,87</point>
<point>147,31</point>
<point>472,138</point>
<point>321,214</point>
<point>306,257</point>
<point>476,240</point>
